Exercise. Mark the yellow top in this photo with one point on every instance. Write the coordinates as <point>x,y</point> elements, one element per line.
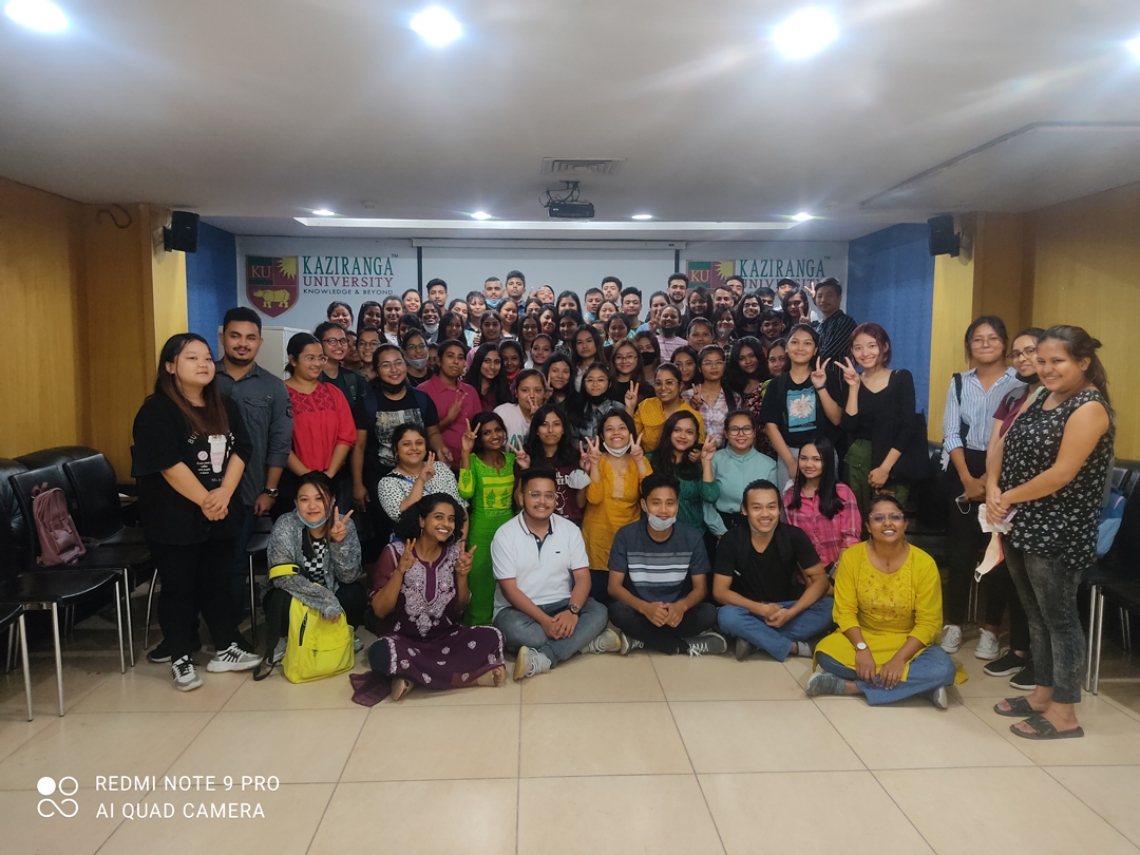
<point>649,419</point>
<point>610,504</point>
<point>888,607</point>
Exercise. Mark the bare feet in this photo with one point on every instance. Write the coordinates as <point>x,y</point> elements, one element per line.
<point>492,678</point>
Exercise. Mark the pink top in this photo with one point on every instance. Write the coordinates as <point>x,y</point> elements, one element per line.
<point>322,420</point>
<point>443,397</point>
<point>829,536</point>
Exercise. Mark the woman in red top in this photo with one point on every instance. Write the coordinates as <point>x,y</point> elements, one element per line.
<point>323,428</point>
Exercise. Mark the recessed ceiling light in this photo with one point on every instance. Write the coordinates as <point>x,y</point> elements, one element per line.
<point>41,15</point>
<point>437,26</point>
<point>324,212</point>
<point>642,217</point>
<point>802,217</point>
<point>1134,46</point>
<point>480,215</point>
<point>804,33</point>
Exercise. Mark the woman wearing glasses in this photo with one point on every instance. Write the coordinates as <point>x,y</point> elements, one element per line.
<point>709,396</point>
<point>736,466</point>
<point>888,605</point>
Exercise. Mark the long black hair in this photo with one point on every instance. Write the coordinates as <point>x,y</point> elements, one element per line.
<point>500,387</point>
<point>408,526</point>
<point>735,377</point>
<point>565,454</point>
<point>662,457</point>
<point>829,502</point>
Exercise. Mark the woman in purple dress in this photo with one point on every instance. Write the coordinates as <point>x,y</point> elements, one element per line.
<point>419,590</point>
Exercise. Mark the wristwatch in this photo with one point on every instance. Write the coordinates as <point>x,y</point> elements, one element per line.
<point>862,645</point>
<point>271,492</point>
<point>575,610</point>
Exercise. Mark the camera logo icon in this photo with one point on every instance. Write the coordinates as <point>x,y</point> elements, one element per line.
<point>66,807</point>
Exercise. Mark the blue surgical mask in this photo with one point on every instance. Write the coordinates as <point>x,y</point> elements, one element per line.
<point>492,304</point>
<point>317,524</point>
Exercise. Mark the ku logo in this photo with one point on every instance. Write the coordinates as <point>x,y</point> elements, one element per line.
<point>271,283</point>
<point>67,786</point>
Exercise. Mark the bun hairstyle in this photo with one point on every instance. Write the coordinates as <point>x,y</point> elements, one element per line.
<point>1080,345</point>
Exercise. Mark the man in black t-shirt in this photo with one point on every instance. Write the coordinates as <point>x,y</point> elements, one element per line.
<point>757,580</point>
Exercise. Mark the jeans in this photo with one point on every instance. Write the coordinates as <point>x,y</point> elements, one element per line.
<point>930,669</point>
<point>666,639</point>
<point>195,578</point>
<point>1047,587</point>
<point>967,542</point>
<point>520,630</point>
<point>813,621</point>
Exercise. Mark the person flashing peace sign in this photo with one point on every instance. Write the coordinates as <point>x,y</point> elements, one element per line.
<point>617,467</point>
<point>323,547</point>
<point>419,590</point>
<point>487,480</point>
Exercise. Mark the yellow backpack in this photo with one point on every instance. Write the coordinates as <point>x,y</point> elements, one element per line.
<point>316,648</point>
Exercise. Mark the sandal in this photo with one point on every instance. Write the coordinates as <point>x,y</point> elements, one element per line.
<point>1044,729</point>
<point>400,687</point>
<point>1019,707</point>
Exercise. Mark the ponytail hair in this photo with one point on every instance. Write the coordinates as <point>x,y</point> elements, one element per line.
<point>1080,345</point>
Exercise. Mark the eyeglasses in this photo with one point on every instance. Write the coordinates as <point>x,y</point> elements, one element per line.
<point>713,363</point>
<point>739,430</point>
<point>387,366</point>
<point>371,345</point>
<point>1029,351</point>
<point>309,360</point>
<point>895,517</point>
<point>536,494</point>
<point>335,342</point>
<point>413,347</point>
<point>993,339</point>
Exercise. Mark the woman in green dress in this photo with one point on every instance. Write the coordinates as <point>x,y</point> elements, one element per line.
<point>487,480</point>
<point>682,456</point>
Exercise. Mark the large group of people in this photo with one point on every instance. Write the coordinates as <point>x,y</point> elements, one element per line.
<point>701,472</point>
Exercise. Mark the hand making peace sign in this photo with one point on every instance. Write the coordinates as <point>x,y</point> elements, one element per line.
<point>466,556</point>
<point>635,448</point>
<point>339,528</point>
<point>469,437</point>
<point>521,457</point>
<point>428,472</point>
<point>631,398</point>
<point>850,376</point>
<point>819,376</point>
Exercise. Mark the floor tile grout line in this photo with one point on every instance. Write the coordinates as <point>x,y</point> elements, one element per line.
<point>900,809</point>
<point>337,783</point>
<point>1093,810</point>
<point>518,771</point>
<point>689,757</point>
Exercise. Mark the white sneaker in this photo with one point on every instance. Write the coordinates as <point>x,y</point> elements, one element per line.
<point>279,652</point>
<point>529,662</point>
<point>233,658</point>
<point>186,677</point>
<point>629,644</point>
<point>988,647</point>
<point>607,641</point>
<point>940,698</point>
<point>951,638</point>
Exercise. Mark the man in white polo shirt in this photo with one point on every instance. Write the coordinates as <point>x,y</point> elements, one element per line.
<point>542,603</point>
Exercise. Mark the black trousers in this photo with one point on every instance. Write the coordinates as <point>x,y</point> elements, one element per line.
<point>967,542</point>
<point>352,598</point>
<point>195,580</point>
<point>664,639</point>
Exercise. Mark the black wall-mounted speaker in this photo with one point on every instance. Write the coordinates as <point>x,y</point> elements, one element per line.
<point>182,233</point>
<point>943,241</point>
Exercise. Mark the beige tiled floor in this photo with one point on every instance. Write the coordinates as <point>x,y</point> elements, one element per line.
<point>647,753</point>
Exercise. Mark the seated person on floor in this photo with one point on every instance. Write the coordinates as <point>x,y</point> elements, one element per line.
<point>323,547</point>
<point>757,579</point>
<point>659,579</point>
<point>542,603</point>
<point>419,591</point>
<point>888,604</point>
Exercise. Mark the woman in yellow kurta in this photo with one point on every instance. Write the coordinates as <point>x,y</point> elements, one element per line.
<point>888,605</point>
<point>613,497</point>
<point>649,419</point>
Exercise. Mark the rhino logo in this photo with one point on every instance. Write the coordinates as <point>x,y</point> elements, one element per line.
<point>271,283</point>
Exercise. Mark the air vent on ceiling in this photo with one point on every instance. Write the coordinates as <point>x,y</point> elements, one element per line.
<point>578,165</point>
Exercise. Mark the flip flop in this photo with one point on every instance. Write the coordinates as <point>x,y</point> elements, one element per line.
<point>1019,707</point>
<point>1044,729</point>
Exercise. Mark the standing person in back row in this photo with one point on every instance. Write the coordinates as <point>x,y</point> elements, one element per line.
<point>971,401</point>
<point>836,327</point>
<point>190,449</point>
<point>264,404</point>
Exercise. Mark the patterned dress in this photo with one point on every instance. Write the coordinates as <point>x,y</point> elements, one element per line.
<point>490,491</point>
<point>422,638</point>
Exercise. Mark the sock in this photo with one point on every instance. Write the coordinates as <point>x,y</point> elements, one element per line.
<point>801,648</point>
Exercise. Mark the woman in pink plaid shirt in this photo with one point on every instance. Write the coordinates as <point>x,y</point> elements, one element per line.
<point>821,504</point>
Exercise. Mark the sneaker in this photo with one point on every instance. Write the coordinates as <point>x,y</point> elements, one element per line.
<point>988,647</point>
<point>1025,679</point>
<point>607,641</point>
<point>951,638</point>
<point>186,677</point>
<point>233,658</point>
<point>279,651</point>
<point>940,698</point>
<point>743,649</point>
<point>357,644</point>
<point>710,642</point>
<point>629,644</point>
<point>530,662</point>
<point>825,684</point>
<point>158,654</point>
<point>1007,665</point>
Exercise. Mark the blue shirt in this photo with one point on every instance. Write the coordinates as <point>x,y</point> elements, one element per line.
<point>977,410</point>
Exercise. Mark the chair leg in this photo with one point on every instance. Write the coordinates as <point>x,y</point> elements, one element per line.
<point>10,658</point>
<point>252,604</point>
<point>119,625</point>
<point>1089,648</point>
<point>58,655</point>
<point>1099,641</point>
<point>24,662</point>
<point>1127,630</point>
<point>127,601</point>
<point>149,603</point>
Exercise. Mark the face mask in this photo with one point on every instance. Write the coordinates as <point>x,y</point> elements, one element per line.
<point>648,357</point>
<point>658,524</point>
<point>1031,379</point>
<point>316,524</point>
<point>431,329</point>
<point>669,332</point>
<point>393,388</point>
<point>492,304</point>
<point>595,400</point>
<point>418,364</point>
<point>616,452</point>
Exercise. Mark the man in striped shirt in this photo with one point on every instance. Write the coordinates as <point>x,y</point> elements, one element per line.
<point>659,579</point>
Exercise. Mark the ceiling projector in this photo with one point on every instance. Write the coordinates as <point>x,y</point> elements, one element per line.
<point>566,205</point>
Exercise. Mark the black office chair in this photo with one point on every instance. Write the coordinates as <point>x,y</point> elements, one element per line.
<point>120,559</point>
<point>12,619</point>
<point>96,491</point>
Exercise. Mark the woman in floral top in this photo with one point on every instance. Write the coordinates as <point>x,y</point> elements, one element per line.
<point>1054,463</point>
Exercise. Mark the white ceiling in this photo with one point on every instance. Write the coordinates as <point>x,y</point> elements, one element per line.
<point>252,112</point>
